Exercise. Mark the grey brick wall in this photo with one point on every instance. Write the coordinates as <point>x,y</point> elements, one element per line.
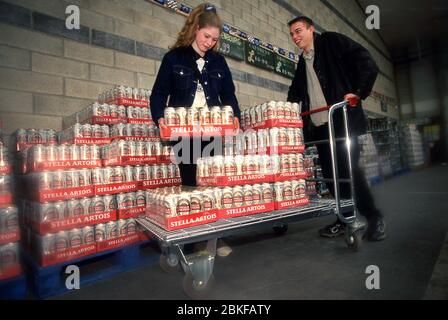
<point>47,71</point>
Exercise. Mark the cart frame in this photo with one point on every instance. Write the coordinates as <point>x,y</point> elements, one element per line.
<point>198,266</point>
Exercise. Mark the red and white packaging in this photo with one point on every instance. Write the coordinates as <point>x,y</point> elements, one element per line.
<point>140,121</point>
<point>131,212</point>
<point>245,210</point>
<point>5,199</point>
<point>65,165</point>
<point>115,188</point>
<point>10,272</point>
<point>223,181</point>
<point>159,183</point>
<point>66,255</point>
<point>185,221</point>
<point>100,141</point>
<point>281,149</point>
<point>132,160</point>
<point>288,176</point>
<point>285,204</point>
<point>118,242</point>
<point>5,169</point>
<point>10,260</point>
<point>274,123</point>
<point>173,132</point>
<point>129,102</point>
<point>63,194</point>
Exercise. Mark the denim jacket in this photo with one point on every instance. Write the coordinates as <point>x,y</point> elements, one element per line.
<point>178,79</point>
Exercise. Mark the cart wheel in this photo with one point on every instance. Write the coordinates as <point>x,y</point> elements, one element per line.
<point>280,229</point>
<point>197,289</point>
<point>169,264</point>
<point>354,240</point>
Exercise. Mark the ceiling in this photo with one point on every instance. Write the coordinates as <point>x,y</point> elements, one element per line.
<point>411,25</point>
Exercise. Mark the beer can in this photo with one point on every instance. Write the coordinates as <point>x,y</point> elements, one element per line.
<point>117,175</point>
<point>295,189</point>
<point>84,152</point>
<point>145,113</point>
<point>21,136</point>
<point>74,208</point>
<point>169,205</point>
<point>140,148</point>
<point>208,200</point>
<point>51,153</point>
<point>247,195</point>
<point>282,137</point>
<point>140,198</point>
<point>75,238</point>
<point>71,179</point>
<point>218,166</point>
<point>183,204</point>
<point>74,152</point>
<point>62,241</point>
<point>300,162</point>
<point>63,152</point>
<point>106,175</point>
<point>157,171</point>
<point>195,202</point>
<point>264,111</point>
<point>295,110</point>
<point>113,110</point>
<point>86,204</point>
<point>122,227</point>
<point>284,163</point>
<point>266,195</point>
<point>171,117</point>
<point>100,232</point>
<point>271,110</point>
<point>287,110</point>
<point>86,131</point>
<point>237,196</point>
<point>148,172</point>
<point>121,111</point>
<point>41,136</point>
<point>247,120</point>
<point>230,168</point>
<point>215,115</point>
<point>49,211</point>
<point>110,203</point>
<point>9,219</point>
<point>131,226</point>
<point>98,205</point>
<point>84,178</point>
<point>88,235</point>
<point>130,113</point>
<point>204,115</point>
<point>95,152</point>
<point>287,191</point>
<point>58,179</point>
<point>128,173</point>
<point>171,171</point>
<point>193,117</point>
<point>280,105</point>
<point>278,191</point>
<point>44,180</point>
<point>48,244</point>
<point>38,153</point>
<point>97,176</point>
<point>157,151</point>
<point>239,162</point>
<point>111,230</point>
<point>298,137</point>
<point>293,165</point>
<point>253,116</point>
<point>257,191</point>
<point>227,115</point>
<point>181,115</point>
<point>9,255</point>
<point>259,113</point>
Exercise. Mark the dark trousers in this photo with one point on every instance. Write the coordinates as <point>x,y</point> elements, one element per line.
<point>364,199</point>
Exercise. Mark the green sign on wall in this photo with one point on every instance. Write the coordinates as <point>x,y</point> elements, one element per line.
<point>231,46</point>
<point>284,67</point>
<point>259,57</point>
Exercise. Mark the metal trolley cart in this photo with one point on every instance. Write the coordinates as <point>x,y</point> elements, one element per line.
<point>198,266</point>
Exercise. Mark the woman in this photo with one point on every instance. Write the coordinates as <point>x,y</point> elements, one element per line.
<point>193,74</point>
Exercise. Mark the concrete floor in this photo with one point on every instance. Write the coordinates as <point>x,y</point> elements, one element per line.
<point>301,265</point>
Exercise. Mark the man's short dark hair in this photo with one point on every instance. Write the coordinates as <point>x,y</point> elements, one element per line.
<point>303,19</point>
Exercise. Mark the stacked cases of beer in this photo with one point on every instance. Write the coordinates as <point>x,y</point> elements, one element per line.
<point>10,264</point>
<point>274,128</point>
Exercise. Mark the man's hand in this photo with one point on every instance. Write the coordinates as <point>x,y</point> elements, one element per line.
<point>352,99</point>
<point>162,124</point>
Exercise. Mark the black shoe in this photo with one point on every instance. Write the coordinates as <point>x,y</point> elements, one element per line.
<point>376,231</point>
<point>332,230</point>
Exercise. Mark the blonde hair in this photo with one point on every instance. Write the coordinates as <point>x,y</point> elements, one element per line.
<point>199,17</point>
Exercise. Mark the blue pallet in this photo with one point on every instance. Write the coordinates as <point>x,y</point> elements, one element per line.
<point>13,289</point>
<point>49,281</point>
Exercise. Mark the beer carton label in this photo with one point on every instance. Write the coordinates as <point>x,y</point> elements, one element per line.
<point>5,199</point>
<point>131,160</point>
<point>9,237</point>
<point>143,138</point>
<point>246,210</point>
<point>117,242</point>
<point>114,188</point>
<point>66,164</point>
<point>291,203</point>
<point>276,123</point>
<point>159,183</point>
<point>64,194</point>
<point>10,272</point>
<point>105,120</point>
<point>222,181</point>
<point>140,121</point>
<point>67,255</point>
<point>129,102</point>
<point>169,132</point>
<point>72,223</point>
<point>287,176</point>
<point>181,222</point>
<point>282,150</point>
<point>91,141</point>
<point>131,212</point>
<point>5,169</point>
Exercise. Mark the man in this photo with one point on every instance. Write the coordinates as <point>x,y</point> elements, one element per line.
<point>333,68</point>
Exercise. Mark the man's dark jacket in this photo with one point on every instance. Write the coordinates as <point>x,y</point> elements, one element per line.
<point>342,66</point>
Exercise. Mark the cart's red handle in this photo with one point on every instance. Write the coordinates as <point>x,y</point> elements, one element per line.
<point>352,102</point>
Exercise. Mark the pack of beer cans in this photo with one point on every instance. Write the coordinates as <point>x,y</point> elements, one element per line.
<point>63,152</point>
<point>192,116</point>
<point>124,92</point>
<point>26,137</point>
<point>122,174</point>
<point>60,179</point>
<point>122,148</point>
<point>271,112</point>
<point>86,131</point>
<point>134,130</point>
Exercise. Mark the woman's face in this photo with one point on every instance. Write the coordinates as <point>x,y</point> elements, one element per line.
<point>206,38</point>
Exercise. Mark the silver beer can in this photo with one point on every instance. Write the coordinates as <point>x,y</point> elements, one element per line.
<point>88,235</point>
<point>62,241</point>
<point>48,244</point>
<point>238,196</point>
<point>122,227</point>
<point>75,238</point>
<point>110,203</point>
<point>100,232</point>
<point>98,205</point>
<point>111,230</point>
